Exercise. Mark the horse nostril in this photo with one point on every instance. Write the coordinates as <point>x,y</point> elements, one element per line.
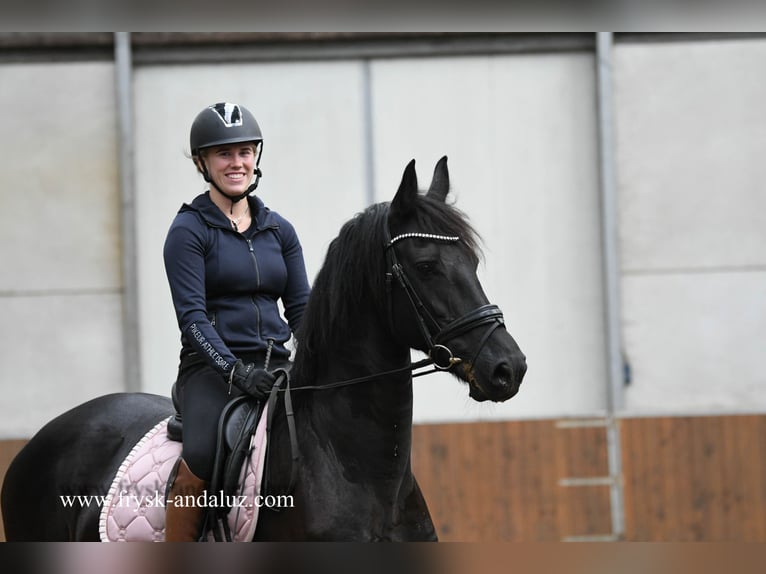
<point>507,373</point>
<point>503,374</point>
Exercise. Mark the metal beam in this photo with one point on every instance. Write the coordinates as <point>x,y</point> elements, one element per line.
<point>611,273</point>
<point>368,134</point>
<point>365,47</point>
<point>130,326</point>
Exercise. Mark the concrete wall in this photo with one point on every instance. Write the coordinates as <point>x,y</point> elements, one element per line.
<point>60,286</point>
<point>524,168</point>
<point>691,139</point>
<point>521,134</point>
<point>501,121</point>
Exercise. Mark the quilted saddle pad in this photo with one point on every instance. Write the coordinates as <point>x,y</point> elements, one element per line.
<point>134,509</point>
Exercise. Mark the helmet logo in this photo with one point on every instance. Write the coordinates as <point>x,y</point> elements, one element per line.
<point>229,113</point>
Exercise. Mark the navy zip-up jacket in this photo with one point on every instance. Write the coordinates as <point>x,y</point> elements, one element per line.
<point>225,284</point>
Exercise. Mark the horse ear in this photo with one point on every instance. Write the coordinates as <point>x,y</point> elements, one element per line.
<point>404,200</point>
<point>440,183</point>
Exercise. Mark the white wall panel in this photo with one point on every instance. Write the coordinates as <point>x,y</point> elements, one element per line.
<point>696,342</point>
<point>520,134</point>
<point>60,219</point>
<point>311,117</point>
<point>65,350</point>
<point>691,135</point>
<point>60,286</point>
<point>691,138</point>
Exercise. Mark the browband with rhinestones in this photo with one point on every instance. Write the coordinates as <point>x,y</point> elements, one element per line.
<point>423,236</point>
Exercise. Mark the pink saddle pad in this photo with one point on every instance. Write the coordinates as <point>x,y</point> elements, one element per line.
<point>134,509</point>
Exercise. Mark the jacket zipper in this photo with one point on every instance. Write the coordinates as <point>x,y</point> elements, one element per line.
<point>257,274</point>
<point>255,263</point>
<point>252,252</point>
<point>258,317</point>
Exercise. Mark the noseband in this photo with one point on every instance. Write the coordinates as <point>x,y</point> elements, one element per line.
<point>440,354</point>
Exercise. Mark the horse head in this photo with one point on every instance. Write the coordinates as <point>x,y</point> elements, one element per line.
<point>437,304</point>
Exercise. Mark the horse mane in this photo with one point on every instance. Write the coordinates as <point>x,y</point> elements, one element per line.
<point>351,284</point>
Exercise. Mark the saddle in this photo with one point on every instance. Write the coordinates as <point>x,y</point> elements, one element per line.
<point>236,428</point>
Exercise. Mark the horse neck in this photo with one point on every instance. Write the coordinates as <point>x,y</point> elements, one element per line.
<point>372,352</point>
<point>369,422</point>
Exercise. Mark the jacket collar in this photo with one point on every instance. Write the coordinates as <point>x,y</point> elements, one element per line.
<point>214,217</point>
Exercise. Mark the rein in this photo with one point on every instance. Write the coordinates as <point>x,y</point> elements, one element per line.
<point>284,377</point>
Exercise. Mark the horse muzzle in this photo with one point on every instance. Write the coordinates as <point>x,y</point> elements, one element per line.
<point>498,371</point>
<point>503,384</point>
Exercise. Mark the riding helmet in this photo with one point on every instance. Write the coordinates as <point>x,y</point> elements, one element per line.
<point>223,123</point>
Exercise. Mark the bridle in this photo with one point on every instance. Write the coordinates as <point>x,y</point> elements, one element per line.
<point>439,353</point>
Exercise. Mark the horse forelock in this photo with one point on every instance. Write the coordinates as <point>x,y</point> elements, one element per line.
<point>350,287</point>
<point>440,218</point>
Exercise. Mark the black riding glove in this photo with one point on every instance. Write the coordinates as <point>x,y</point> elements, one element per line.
<point>254,382</point>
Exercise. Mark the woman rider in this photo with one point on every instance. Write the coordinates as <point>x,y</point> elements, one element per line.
<point>229,259</point>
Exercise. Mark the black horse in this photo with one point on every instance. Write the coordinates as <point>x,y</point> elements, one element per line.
<point>400,275</point>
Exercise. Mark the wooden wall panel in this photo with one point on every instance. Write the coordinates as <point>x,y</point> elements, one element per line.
<point>8,450</point>
<point>685,479</point>
<point>500,481</point>
<point>695,478</point>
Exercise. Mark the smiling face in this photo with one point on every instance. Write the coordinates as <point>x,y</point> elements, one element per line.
<point>230,166</point>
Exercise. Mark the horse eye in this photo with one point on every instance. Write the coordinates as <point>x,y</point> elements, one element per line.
<point>426,267</point>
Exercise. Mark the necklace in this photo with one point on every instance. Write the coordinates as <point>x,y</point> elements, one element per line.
<point>235,222</point>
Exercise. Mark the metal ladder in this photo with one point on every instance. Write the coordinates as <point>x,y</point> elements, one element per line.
<point>614,480</point>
